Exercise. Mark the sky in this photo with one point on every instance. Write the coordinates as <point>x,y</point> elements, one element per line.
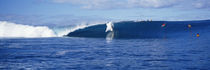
<point>65,11</point>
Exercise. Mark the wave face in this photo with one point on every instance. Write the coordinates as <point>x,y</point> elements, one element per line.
<point>60,32</point>
<point>8,29</point>
<point>144,29</point>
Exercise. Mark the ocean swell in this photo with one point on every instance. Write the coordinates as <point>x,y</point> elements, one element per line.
<point>144,29</point>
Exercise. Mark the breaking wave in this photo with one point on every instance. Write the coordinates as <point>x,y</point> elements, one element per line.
<point>65,31</point>
<point>109,30</point>
<point>8,29</point>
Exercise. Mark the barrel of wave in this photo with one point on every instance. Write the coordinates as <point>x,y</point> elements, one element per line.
<point>8,29</point>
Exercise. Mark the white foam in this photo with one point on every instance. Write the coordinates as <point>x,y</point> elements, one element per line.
<point>8,29</point>
<point>109,37</point>
<point>109,27</point>
<point>65,31</point>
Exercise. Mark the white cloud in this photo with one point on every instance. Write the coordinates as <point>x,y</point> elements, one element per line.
<point>201,4</point>
<point>91,4</point>
<point>110,4</point>
<point>101,4</point>
<point>152,3</point>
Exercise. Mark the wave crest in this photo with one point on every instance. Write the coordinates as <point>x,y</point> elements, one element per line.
<point>8,29</point>
<point>66,31</point>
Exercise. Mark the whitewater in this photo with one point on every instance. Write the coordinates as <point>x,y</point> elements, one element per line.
<point>14,30</point>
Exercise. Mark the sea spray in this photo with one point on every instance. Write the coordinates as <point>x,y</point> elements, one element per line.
<point>9,29</point>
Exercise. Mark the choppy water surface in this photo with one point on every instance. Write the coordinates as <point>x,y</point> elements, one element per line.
<point>102,54</point>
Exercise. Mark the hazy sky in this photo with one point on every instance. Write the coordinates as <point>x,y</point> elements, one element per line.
<point>105,9</point>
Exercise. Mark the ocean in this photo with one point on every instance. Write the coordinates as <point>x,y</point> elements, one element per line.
<point>126,45</point>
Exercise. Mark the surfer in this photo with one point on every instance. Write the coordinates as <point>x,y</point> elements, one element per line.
<point>109,27</point>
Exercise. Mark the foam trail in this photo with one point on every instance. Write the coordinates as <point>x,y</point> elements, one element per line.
<point>8,29</point>
<point>110,37</point>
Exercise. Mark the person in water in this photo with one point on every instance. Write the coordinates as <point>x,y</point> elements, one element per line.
<point>197,35</point>
<point>163,25</point>
<point>189,26</point>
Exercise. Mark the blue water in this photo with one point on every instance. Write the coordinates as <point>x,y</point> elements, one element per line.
<point>102,54</point>
<point>145,29</point>
<point>142,45</point>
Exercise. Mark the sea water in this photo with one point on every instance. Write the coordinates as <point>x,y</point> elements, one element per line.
<point>101,54</point>
<point>126,46</point>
